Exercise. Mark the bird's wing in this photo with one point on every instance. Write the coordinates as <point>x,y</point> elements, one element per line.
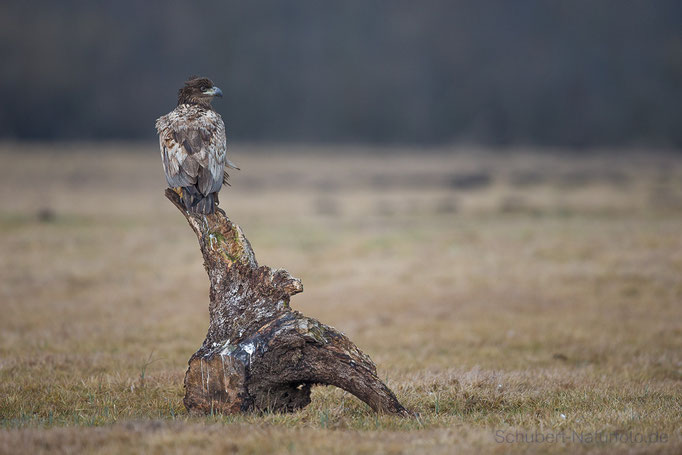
<point>194,150</point>
<point>230,164</point>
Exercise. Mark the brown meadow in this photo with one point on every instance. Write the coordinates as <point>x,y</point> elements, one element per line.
<point>498,294</point>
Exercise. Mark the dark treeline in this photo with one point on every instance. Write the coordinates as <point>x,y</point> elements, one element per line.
<point>566,73</point>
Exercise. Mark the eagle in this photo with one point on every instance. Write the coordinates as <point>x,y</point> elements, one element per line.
<point>193,146</point>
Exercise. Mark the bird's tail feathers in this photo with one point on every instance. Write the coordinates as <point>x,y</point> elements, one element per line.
<point>196,202</point>
<point>206,205</point>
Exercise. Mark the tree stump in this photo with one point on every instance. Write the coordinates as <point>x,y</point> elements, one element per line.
<point>259,354</point>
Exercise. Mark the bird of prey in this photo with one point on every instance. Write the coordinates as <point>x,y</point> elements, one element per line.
<point>193,146</point>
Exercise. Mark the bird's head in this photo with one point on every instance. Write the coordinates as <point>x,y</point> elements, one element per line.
<point>198,90</point>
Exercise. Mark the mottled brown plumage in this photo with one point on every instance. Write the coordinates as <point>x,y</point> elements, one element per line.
<point>193,146</point>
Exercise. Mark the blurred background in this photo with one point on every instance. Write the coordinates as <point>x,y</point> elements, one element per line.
<point>499,73</point>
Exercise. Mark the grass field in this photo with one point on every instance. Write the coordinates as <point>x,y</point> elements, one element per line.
<point>501,296</point>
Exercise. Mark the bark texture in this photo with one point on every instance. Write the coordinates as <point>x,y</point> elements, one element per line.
<point>259,354</point>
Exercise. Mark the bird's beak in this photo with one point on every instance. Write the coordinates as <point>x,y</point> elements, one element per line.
<point>214,91</point>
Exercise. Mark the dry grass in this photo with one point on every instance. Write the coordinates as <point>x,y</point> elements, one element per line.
<point>519,292</point>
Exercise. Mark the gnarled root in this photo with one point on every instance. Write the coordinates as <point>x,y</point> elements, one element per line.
<point>259,354</point>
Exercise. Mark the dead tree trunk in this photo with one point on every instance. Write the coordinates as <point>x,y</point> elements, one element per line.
<point>259,354</point>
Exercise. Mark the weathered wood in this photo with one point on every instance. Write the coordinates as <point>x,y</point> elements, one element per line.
<point>259,354</point>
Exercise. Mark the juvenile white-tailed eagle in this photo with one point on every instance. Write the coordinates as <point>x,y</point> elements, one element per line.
<point>193,146</point>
